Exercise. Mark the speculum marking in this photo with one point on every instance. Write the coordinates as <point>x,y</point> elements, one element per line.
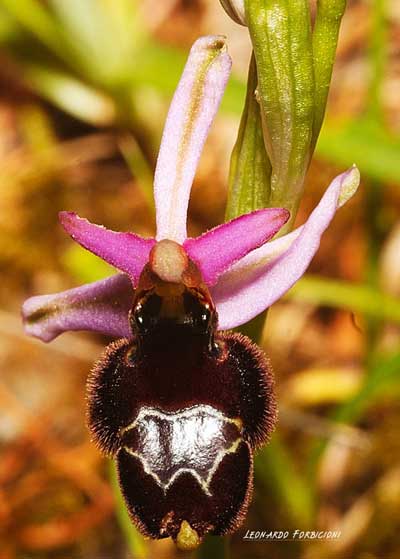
<point>193,440</point>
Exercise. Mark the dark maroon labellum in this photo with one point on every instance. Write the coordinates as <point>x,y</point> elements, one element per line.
<point>181,407</point>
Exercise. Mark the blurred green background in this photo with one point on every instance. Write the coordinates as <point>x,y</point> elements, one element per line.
<point>84,90</point>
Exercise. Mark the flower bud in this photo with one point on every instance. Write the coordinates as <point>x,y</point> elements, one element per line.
<point>235,9</point>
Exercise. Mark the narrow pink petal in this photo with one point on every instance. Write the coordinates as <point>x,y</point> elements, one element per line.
<point>126,251</point>
<point>256,281</point>
<point>102,307</point>
<point>191,113</point>
<point>216,250</point>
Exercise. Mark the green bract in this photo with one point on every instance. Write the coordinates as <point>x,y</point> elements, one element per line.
<point>290,82</point>
<point>250,171</point>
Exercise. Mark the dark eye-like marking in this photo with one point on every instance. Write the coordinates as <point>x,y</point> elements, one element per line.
<point>205,314</point>
<point>198,312</point>
<point>145,313</point>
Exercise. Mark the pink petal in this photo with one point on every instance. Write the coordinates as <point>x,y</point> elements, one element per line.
<point>102,307</point>
<point>126,251</point>
<point>256,281</point>
<point>219,248</point>
<point>191,113</point>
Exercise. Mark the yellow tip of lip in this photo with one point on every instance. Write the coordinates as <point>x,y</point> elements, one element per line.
<point>187,539</point>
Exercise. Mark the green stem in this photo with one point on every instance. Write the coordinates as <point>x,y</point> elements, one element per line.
<point>139,166</point>
<point>214,547</point>
<point>275,468</point>
<point>377,57</point>
<point>373,201</point>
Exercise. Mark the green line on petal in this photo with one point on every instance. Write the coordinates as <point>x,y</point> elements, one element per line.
<point>194,109</point>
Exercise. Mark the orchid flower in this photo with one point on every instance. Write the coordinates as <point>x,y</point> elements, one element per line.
<point>172,376</point>
<point>245,273</point>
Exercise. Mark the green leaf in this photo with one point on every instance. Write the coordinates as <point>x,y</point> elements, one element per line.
<point>85,266</point>
<point>383,379</point>
<point>159,66</point>
<point>97,38</point>
<point>139,167</point>
<point>71,95</point>
<point>376,151</point>
<point>8,26</point>
<point>351,296</point>
<point>86,28</point>
<point>274,467</point>
<point>250,169</point>
<point>378,56</point>
<point>37,20</point>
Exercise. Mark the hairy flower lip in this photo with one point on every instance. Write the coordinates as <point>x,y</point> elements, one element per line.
<point>244,272</point>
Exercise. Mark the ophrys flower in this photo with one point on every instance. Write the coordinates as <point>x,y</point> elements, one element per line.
<point>179,404</point>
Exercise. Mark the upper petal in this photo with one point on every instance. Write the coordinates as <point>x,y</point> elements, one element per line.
<point>126,251</point>
<point>216,250</point>
<point>191,113</point>
<point>102,306</point>
<point>264,275</point>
